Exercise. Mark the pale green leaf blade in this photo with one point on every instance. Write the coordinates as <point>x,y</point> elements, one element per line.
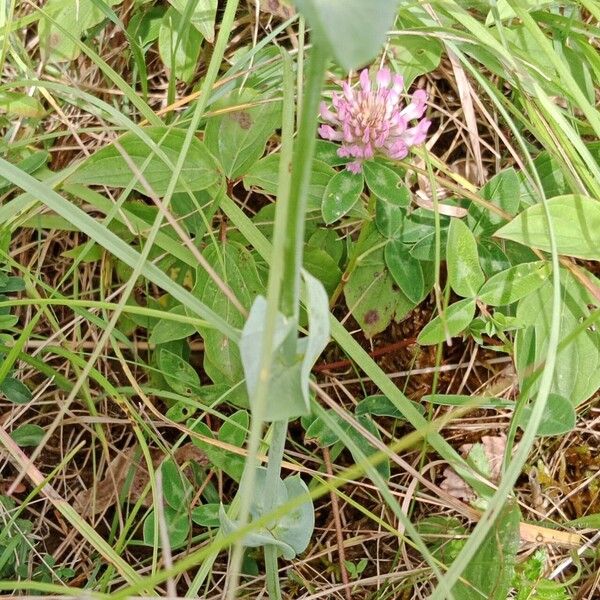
<point>352,31</point>
<point>515,283</point>
<point>108,167</point>
<point>464,271</point>
<point>179,45</point>
<point>576,224</point>
<point>456,319</point>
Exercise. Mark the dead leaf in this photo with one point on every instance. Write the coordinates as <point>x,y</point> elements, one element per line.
<point>278,8</point>
<point>97,499</point>
<point>491,449</point>
<point>423,201</point>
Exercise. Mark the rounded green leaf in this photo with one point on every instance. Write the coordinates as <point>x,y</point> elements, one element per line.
<point>238,138</point>
<point>515,283</point>
<point>341,194</point>
<point>28,435</point>
<point>167,330</point>
<point>178,373</point>
<point>178,528</point>
<point>352,31</point>
<point>464,271</point>
<point>179,45</point>
<point>177,490</point>
<point>406,270</point>
<point>414,55</point>
<point>575,221</point>
<point>15,391</point>
<point>392,197</point>
<point>559,416</point>
<point>456,319</point>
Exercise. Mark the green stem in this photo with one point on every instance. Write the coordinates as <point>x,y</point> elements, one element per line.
<point>300,180</point>
<point>271,568</point>
<point>276,449</point>
<point>278,437</point>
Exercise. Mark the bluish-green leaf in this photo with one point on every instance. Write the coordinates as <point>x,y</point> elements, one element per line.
<point>288,395</point>
<point>352,31</point>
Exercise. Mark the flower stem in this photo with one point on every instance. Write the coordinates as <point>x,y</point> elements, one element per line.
<point>300,180</point>
<point>278,437</point>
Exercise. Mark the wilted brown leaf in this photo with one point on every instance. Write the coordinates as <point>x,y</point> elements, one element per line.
<point>492,448</point>
<point>97,499</point>
<point>278,8</point>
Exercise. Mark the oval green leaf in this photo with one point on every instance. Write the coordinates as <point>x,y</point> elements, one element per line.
<point>456,319</point>
<point>179,45</point>
<point>392,197</point>
<point>108,167</point>
<point>405,269</point>
<point>28,435</point>
<point>178,373</point>
<point>167,330</point>
<point>464,271</point>
<point>559,416</point>
<point>341,194</point>
<point>352,31</point>
<point>575,221</point>
<point>515,283</point>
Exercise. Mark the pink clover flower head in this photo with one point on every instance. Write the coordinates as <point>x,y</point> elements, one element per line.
<point>371,118</point>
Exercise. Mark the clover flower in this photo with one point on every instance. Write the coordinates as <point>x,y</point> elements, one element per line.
<point>369,120</point>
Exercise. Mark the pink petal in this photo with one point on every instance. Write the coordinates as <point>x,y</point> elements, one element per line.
<point>348,93</point>
<point>417,107</point>
<point>329,133</point>
<point>354,167</point>
<point>326,114</point>
<point>398,84</point>
<point>384,77</point>
<point>397,150</point>
<point>417,134</point>
<point>365,81</point>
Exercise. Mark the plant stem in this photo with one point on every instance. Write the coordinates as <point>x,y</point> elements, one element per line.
<point>273,587</point>
<point>300,180</point>
<point>278,437</point>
